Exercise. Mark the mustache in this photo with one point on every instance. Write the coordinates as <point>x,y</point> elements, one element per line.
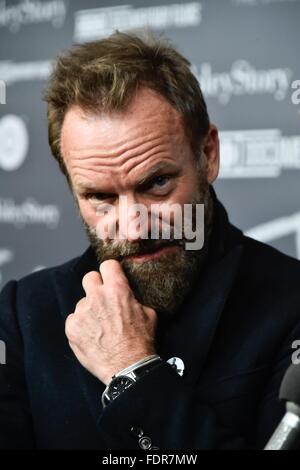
<point>117,250</point>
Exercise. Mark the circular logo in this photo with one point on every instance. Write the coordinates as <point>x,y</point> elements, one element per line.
<point>13,142</point>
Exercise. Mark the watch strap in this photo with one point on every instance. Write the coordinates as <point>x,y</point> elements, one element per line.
<point>133,372</point>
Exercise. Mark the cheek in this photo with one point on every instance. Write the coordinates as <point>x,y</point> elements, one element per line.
<point>88,213</point>
<point>105,224</point>
<point>186,190</point>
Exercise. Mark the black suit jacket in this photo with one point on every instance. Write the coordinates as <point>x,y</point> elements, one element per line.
<point>234,334</point>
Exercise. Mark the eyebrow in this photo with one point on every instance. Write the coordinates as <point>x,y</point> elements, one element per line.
<point>85,186</point>
<point>149,175</point>
<point>156,170</point>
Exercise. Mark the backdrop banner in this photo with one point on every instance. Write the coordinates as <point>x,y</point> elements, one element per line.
<point>245,54</point>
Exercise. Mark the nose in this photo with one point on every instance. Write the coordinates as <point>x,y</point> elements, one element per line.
<point>133,219</point>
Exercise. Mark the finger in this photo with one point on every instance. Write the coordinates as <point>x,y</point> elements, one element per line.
<point>150,312</point>
<point>111,271</point>
<point>91,282</point>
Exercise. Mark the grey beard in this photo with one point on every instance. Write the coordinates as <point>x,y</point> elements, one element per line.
<point>163,283</point>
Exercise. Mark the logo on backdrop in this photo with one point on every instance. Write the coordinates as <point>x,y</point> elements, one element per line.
<point>262,153</point>
<point>296,93</point>
<point>99,22</point>
<point>241,80</point>
<point>14,142</point>
<point>32,12</point>
<point>29,212</point>
<point>12,72</point>
<point>2,92</point>
<point>278,228</point>
<point>254,3</point>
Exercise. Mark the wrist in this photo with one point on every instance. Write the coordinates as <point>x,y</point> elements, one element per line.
<point>134,361</point>
<point>145,359</point>
<point>127,377</point>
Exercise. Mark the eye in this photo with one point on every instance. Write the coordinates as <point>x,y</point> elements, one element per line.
<point>160,181</point>
<point>98,196</point>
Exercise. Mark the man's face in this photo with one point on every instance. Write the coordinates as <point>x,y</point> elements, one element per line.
<point>141,156</point>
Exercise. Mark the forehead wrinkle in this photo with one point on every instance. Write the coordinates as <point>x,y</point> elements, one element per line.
<point>138,166</point>
<point>161,151</point>
<point>129,166</point>
<point>122,163</point>
<point>128,149</point>
<point>86,177</point>
<point>133,149</point>
<point>145,149</point>
<point>139,173</point>
<point>115,166</point>
<point>119,178</point>
<point>130,136</point>
<point>122,173</point>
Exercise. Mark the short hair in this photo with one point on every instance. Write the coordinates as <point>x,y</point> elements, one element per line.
<point>104,75</point>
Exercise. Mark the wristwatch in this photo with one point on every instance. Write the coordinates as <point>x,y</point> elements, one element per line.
<point>129,376</point>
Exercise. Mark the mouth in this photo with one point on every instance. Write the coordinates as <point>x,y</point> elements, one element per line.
<point>162,250</point>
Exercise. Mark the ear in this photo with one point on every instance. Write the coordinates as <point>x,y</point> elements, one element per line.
<point>211,148</point>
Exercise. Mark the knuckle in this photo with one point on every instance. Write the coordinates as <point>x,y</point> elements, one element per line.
<point>87,303</point>
<point>91,300</point>
<point>125,292</point>
<point>90,275</point>
<point>113,290</point>
<point>109,263</point>
<point>151,314</point>
<point>80,303</point>
<point>85,280</point>
<point>71,327</point>
<point>90,280</point>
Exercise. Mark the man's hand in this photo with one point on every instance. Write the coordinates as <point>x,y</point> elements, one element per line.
<point>110,329</point>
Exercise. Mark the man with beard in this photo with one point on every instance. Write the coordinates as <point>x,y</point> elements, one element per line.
<point>140,343</point>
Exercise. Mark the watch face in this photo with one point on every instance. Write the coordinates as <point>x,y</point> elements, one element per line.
<point>118,385</point>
